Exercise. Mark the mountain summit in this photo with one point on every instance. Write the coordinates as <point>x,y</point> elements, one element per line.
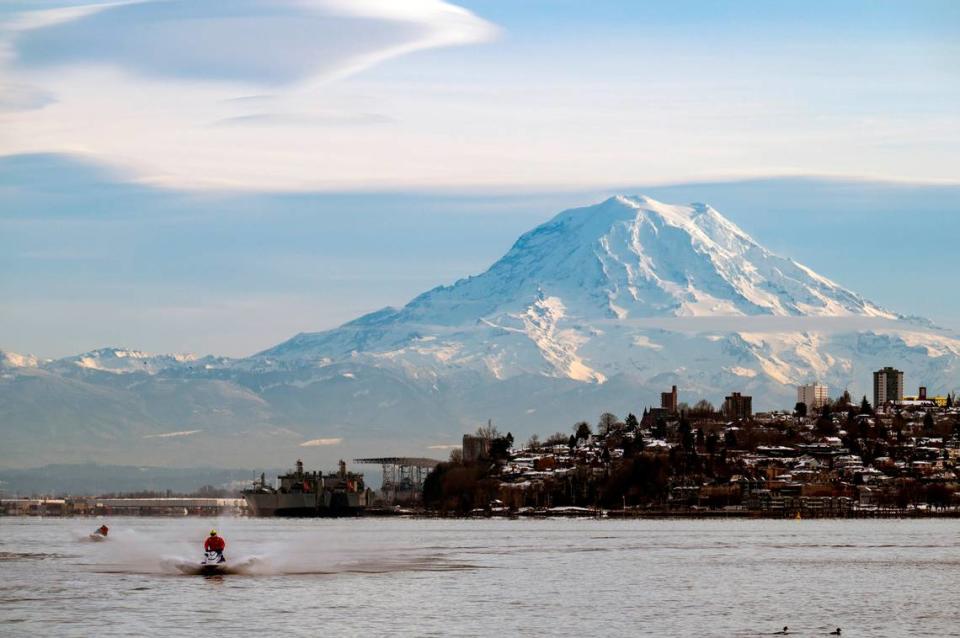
<point>598,309</point>
<point>625,258</point>
<point>637,257</point>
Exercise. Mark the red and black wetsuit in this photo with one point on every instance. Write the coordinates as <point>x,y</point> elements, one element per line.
<point>214,544</point>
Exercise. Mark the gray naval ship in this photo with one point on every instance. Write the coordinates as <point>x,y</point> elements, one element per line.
<point>310,494</point>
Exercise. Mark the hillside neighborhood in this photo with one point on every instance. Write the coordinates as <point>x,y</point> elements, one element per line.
<point>896,455</point>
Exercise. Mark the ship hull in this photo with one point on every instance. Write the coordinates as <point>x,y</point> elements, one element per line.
<point>267,505</point>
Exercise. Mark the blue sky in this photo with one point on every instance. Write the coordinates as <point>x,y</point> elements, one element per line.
<point>209,176</point>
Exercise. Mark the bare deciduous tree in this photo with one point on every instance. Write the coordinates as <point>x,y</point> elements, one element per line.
<point>606,422</point>
<point>488,431</point>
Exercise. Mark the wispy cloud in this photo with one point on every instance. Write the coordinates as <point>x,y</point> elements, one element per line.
<point>282,432</point>
<point>23,97</point>
<point>302,120</point>
<point>444,446</point>
<point>169,435</point>
<point>321,442</point>
<point>260,41</point>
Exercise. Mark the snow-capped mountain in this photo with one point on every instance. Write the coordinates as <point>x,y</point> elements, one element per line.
<point>598,309</point>
<point>568,293</point>
<point>125,361</point>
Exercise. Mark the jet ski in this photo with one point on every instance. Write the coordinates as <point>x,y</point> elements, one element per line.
<point>100,534</point>
<point>212,564</point>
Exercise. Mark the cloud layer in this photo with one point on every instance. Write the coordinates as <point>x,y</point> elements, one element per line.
<point>170,435</point>
<point>259,41</point>
<point>322,442</point>
<point>200,93</point>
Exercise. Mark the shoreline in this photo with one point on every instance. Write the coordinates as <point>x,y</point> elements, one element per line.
<point>615,514</point>
<point>571,512</point>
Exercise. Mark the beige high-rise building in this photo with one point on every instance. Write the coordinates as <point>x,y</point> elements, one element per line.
<point>814,395</point>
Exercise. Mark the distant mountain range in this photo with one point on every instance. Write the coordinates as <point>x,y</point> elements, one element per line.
<point>601,308</point>
<point>94,479</point>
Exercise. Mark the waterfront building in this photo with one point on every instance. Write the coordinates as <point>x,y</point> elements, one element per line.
<point>813,395</point>
<point>738,406</point>
<point>887,386</point>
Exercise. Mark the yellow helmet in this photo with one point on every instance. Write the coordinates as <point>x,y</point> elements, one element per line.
<point>213,532</point>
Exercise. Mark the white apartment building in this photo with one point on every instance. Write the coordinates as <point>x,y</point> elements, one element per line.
<point>814,395</point>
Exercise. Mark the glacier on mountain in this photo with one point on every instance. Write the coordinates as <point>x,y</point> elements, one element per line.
<point>561,301</point>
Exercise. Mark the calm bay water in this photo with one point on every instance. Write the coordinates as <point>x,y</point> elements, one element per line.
<point>377,577</point>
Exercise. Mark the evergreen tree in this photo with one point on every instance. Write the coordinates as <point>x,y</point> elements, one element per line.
<point>686,433</point>
<point>687,441</point>
<point>853,426</point>
<point>500,447</point>
<point>928,423</point>
<point>730,439</point>
<point>825,426</point>
<point>582,431</point>
<point>846,399</point>
<point>659,429</point>
<point>881,431</point>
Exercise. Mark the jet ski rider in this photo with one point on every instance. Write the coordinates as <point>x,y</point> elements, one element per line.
<point>214,543</point>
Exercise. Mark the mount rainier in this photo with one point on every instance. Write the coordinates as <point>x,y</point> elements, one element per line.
<point>598,309</point>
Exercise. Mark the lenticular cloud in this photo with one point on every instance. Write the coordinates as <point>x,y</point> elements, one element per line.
<point>259,41</point>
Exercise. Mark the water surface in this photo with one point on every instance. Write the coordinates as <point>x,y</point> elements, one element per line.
<point>377,577</point>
